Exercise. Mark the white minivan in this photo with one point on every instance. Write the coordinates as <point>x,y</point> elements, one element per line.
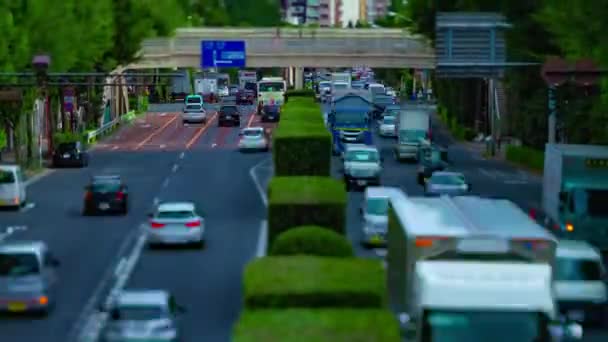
<point>12,186</point>
<point>579,282</point>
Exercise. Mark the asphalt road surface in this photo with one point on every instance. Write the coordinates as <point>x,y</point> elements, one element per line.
<point>160,160</point>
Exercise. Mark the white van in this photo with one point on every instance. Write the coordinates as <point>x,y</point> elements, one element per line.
<point>579,285</point>
<point>12,186</point>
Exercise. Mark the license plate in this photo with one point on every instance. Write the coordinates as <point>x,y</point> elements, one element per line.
<point>104,206</point>
<point>361,182</point>
<point>66,155</point>
<point>576,315</point>
<point>16,307</point>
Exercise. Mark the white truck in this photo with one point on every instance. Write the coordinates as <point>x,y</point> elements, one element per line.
<point>206,87</point>
<point>342,77</point>
<point>246,76</point>
<point>575,192</point>
<point>412,130</point>
<point>457,264</point>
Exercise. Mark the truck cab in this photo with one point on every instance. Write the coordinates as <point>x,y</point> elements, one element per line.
<point>362,166</point>
<point>412,133</point>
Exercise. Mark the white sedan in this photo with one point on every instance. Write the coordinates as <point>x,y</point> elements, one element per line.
<point>254,139</point>
<point>176,223</point>
<point>387,126</point>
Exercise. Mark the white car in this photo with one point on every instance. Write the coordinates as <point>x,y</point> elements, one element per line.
<point>387,126</point>
<point>194,113</point>
<point>176,223</point>
<point>254,139</point>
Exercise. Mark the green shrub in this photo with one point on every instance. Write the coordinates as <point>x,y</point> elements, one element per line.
<point>317,325</point>
<point>304,201</point>
<point>307,93</point>
<point>313,282</point>
<point>302,114</point>
<point>301,150</point>
<point>67,137</point>
<point>312,240</point>
<point>526,156</point>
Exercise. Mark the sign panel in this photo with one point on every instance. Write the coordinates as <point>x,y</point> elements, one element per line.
<point>68,99</point>
<point>217,54</point>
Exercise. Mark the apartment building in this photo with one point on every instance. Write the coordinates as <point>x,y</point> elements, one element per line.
<point>330,13</point>
<point>377,9</point>
<point>350,12</point>
<point>301,12</point>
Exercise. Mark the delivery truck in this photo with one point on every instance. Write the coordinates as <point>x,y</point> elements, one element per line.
<point>413,130</point>
<point>575,192</point>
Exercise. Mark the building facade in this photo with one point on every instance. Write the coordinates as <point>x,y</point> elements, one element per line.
<point>363,10</point>
<point>377,9</point>
<point>301,12</point>
<point>350,12</point>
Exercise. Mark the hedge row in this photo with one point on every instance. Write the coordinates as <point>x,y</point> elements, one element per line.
<point>314,282</point>
<point>302,200</point>
<point>457,130</point>
<point>301,142</point>
<point>328,325</point>
<point>526,156</point>
<point>312,240</point>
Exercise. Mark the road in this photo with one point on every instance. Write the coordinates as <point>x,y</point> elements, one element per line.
<point>160,160</point>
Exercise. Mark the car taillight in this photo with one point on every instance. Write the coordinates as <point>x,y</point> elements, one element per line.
<point>120,195</point>
<point>156,225</point>
<point>193,224</point>
<point>88,195</point>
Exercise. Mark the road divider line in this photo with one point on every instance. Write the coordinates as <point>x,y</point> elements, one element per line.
<point>166,183</point>
<point>250,121</point>
<point>257,183</point>
<point>262,244</point>
<point>156,132</point>
<point>181,155</point>
<point>174,168</point>
<point>38,177</point>
<point>120,267</point>
<point>156,201</point>
<point>200,132</point>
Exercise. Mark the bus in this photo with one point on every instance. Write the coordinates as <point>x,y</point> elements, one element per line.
<point>271,91</point>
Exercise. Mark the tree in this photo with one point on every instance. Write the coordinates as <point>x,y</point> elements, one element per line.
<point>260,13</point>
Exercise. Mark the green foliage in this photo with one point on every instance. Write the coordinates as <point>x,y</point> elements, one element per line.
<point>301,147</point>
<point>67,137</point>
<point>526,157</point>
<point>311,240</point>
<point>306,93</point>
<point>3,140</point>
<point>457,130</point>
<point>301,201</point>
<point>317,325</point>
<point>313,282</point>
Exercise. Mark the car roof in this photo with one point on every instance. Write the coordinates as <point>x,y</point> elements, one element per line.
<point>361,147</point>
<point>142,297</point>
<point>23,246</point>
<point>254,129</point>
<point>176,206</point>
<point>378,192</point>
<point>106,178</point>
<point>576,249</point>
<point>448,173</point>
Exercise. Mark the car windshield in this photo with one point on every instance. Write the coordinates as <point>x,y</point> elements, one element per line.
<point>591,202</point>
<point>377,206</point>
<point>174,214</point>
<point>7,177</point>
<point>411,135</point>
<point>272,86</point>
<point>271,109</point>
<point>229,110</point>
<point>340,86</point>
<point>67,147</point>
<point>571,269</point>
<point>483,326</point>
<point>250,86</point>
<point>388,120</point>
<point>251,133</point>
<point>140,312</point>
<point>18,264</point>
<point>444,179</point>
<point>362,156</point>
<point>324,84</point>
<point>349,118</point>
<point>105,186</point>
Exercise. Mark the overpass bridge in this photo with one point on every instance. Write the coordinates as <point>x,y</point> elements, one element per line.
<point>295,47</point>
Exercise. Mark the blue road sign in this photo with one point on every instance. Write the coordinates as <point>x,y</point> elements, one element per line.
<point>217,53</point>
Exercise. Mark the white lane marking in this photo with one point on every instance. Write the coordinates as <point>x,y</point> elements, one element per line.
<point>181,155</point>
<point>163,114</point>
<point>28,206</point>
<point>381,252</point>
<point>120,267</point>
<point>163,146</point>
<point>115,148</point>
<point>175,167</point>
<point>156,201</point>
<point>487,173</point>
<point>119,284</point>
<point>262,244</point>
<point>166,183</point>
<point>10,230</point>
<point>38,177</point>
<point>88,315</point>
<point>214,144</point>
<point>257,182</point>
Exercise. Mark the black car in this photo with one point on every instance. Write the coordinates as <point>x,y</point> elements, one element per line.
<point>271,113</point>
<point>70,154</point>
<point>432,158</point>
<point>106,194</point>
<point>229,114</point>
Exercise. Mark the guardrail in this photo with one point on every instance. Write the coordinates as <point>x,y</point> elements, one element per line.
<point>92,135</point>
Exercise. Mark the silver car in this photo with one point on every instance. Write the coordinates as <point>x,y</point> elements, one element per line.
<point>446,183</point>
<point>28,277</point>
<point>176,223</point>
<point>194,113</point>
<point>254,139</point>
<point>387,126</point>
<point>142,315</point>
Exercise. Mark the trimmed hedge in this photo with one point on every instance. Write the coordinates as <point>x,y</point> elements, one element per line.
<point>326,325</point>
<point>308,93</point>
<point>526,156</point>
<point>301,149</point>
<point>313,282</point>
<point>302,114</point>
<point>301,201</point>
<point>312,240</point>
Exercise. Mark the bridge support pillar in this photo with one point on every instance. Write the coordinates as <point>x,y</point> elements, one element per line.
<point>299,78</point>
